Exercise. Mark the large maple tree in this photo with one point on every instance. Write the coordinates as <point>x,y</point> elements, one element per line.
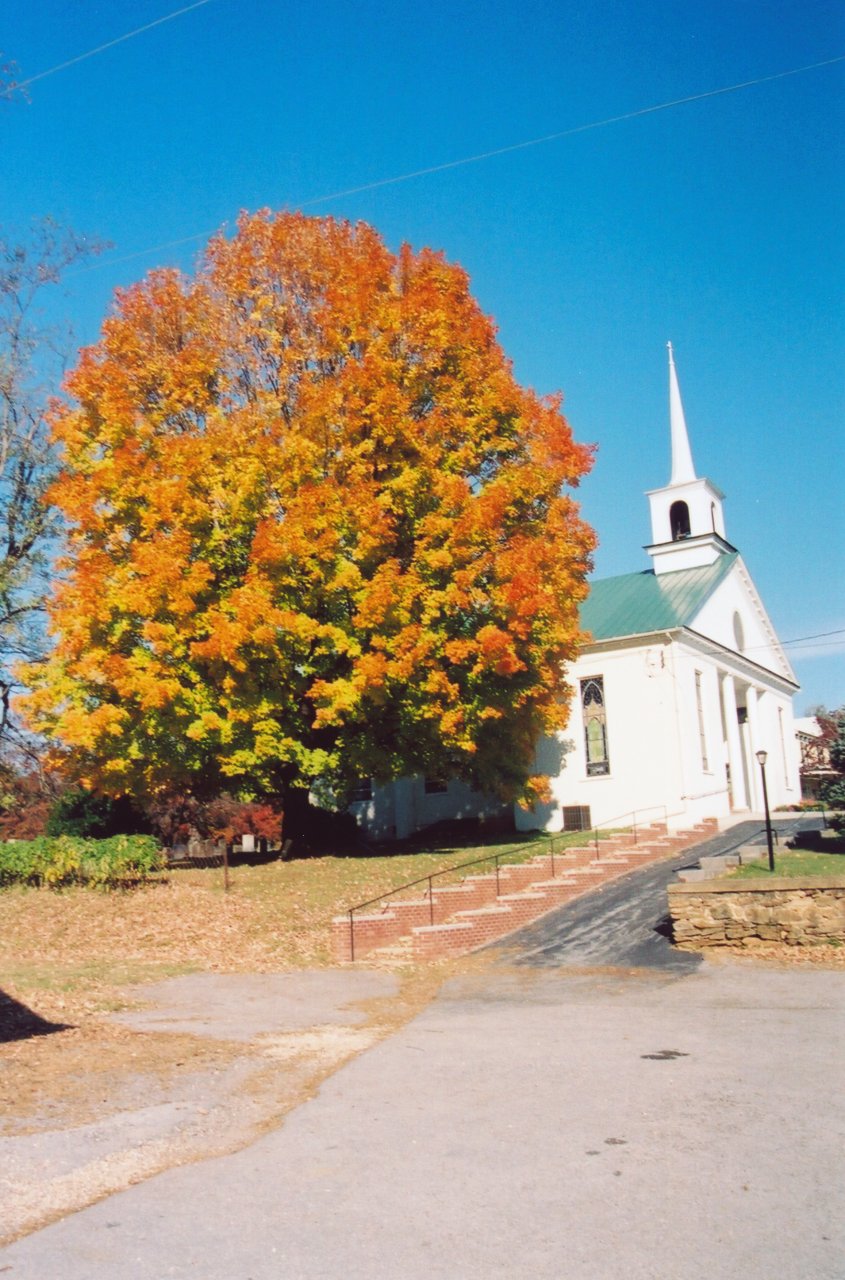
<point>315,529</point>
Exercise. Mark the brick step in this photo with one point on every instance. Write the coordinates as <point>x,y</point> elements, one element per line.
<point>472,929</point>
<point>430,942</point>
<point>470,913</point>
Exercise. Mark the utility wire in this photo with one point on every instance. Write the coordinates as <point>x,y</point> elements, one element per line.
<point>568,133</point>
<point>110,44</point>
<point>822,648</point>
<point>820,635</point>
<point>809,645</point>
<point>801,642</point>
<point>484,155</point>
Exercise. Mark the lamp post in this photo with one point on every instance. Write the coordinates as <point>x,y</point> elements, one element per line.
<point>761,760</point>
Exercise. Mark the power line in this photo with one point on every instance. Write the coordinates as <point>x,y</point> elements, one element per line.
<point>110,44</point>
<point>828,647</point>
<point>800,642</point>
<point>484,155</point>
<point>568,133</point>
<point>820,635</point>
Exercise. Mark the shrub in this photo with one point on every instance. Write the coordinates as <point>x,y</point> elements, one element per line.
<point>25,805</point>
<point>317,830</point>
<point>834,792</point>
<point>176,817</point>
<point>229,818</point>
<point>68,860</point>
<point>83,813</point>
<point>834,798</point>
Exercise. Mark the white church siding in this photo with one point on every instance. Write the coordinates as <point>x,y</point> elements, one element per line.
<point>398,809</point>
<point>704,792</point>
<point>645,771</point>
<point>735,606</point>
<point>664,760</point>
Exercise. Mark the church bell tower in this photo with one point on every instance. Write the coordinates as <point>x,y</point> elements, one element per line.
<point>687,520</point>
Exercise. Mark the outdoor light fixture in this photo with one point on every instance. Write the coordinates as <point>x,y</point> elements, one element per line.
<point>762,757</point>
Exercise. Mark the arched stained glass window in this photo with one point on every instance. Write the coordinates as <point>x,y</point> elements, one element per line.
<point>594,716</point>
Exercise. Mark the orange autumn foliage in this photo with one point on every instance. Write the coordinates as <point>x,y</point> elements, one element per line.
<point>315,528</point>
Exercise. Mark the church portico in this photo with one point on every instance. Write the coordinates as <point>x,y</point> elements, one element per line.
<point>733,744</point>
<point>752,746</point>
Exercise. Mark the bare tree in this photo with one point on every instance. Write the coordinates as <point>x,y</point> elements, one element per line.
<point>32,354</point>
<point>9,82</point>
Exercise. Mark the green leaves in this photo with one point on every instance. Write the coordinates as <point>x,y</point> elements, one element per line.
<point>66,860</point>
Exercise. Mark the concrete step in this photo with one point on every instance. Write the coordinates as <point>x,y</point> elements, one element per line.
<point>561,889</point>
<point>482,913</point>
<point>396,952</point>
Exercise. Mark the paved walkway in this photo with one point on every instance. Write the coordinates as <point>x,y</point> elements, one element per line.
<point>626,922</point>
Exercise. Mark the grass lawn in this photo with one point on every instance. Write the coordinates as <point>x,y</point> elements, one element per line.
<point>796,862</point>
<point>72,951</point>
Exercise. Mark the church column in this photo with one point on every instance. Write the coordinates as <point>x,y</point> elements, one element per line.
<point>739,800</point>
<point>756,797</point>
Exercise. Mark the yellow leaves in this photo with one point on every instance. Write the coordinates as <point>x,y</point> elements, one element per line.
<point>382,603</point>
<point>537,790</point>
<point>87,726</point>
<point>347,577</point>
<point>209,724</point>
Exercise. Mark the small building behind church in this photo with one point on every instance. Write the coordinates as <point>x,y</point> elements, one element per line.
<point>815,736</point>
<point>682,681</point>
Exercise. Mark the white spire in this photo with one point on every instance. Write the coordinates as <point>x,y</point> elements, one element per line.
<point>687,520</point>
<point>682,468</point>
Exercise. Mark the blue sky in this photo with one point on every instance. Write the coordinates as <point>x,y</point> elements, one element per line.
<point>716,223</point>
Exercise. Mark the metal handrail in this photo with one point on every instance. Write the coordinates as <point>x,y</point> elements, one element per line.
<point>490,857</point>
<point>632,813</point>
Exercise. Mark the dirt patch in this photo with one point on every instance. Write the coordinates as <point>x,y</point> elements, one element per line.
<point>326,1045</point>
<point>81,1073</point>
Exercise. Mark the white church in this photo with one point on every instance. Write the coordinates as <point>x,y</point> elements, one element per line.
<point>682,682</point>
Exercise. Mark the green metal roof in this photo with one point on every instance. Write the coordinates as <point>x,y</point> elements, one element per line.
<point>636,603</point>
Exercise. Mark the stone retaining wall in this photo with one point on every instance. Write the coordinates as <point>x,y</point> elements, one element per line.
<point>799,911</point>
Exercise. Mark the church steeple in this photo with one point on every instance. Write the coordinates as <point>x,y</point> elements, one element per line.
<point>682,468</point>
<point>687,521</point>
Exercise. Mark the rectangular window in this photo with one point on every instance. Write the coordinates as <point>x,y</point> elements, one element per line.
<point>436,787</point>
<point>594,718</point>
<point>576,817</point>
<point>362,790</point>
<point>702,733</point>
